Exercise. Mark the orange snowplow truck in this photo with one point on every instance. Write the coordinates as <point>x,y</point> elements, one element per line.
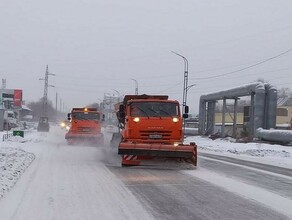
<point>151,127</point>
<point>85,126</point>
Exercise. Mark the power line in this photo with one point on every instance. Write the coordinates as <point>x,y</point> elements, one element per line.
<point>267,76</point>
<point>170,87</point>
<point>245,68</point>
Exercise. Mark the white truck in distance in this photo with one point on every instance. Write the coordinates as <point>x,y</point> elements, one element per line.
<point>9,120</point>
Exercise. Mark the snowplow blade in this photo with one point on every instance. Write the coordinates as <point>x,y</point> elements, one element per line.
<point>84,138</point>
<point>132,151</point>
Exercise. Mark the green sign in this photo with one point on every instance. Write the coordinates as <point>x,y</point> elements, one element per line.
<point>18,133</point>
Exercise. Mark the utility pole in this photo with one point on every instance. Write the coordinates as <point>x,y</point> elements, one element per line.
<point>56,102</point>
<point>60,105</point>
<point>3,87</point>
<point>45,97</point>
<point>3,84</point>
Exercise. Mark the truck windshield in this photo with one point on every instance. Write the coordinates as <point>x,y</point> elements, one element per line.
<point>154,109</point>
<point>85,116</point>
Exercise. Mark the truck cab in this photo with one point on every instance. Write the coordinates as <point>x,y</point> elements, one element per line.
<point>151,127</point>
<point>150,120</point>
<point>85,126</point>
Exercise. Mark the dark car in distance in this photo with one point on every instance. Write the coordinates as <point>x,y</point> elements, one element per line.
<point>43,124</point>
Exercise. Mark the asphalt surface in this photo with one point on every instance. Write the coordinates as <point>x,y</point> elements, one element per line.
<point>169,193</point>
<point>265,180</point>
<point>88,182</point>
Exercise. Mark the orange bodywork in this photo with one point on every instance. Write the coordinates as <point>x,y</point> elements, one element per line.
<point>153,128</point>
<point>85,126</point>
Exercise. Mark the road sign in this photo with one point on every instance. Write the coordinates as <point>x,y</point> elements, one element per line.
<point>18,133</point>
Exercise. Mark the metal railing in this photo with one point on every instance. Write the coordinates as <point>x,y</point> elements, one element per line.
<point>6,136</point>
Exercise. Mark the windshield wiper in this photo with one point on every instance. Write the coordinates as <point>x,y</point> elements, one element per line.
<point>166,113</point>
<point>142,110</point>
<point>155,113</point>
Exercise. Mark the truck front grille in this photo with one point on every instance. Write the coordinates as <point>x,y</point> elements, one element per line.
<point>152,135</point>
<point>84,129</point>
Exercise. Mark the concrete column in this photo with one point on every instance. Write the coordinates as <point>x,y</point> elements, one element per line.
<point>223,118</point>
<point>210,117</point>
<point>235,118</point>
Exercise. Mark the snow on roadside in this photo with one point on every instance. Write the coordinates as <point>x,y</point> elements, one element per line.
<point>259,152</point>
<point>13,162</point>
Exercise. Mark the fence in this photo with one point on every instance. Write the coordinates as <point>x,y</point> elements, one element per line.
<point>6,136</point>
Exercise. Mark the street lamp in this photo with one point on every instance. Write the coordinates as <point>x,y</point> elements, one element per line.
<point>136,86</point>
<point>190,86</point>
<point>101,105</point>
<point>119,94</point>
<point>185,89</point>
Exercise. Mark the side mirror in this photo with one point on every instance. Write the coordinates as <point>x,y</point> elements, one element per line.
<point>185,115</point>
<point>69,116</point>
<point>186,109</point>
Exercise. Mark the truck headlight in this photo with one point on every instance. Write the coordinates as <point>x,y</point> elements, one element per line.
<point>136,119</point>
<point>63,124</point>
<point>175,120</point>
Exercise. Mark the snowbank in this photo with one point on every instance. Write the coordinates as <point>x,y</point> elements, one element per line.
<point>13,161</point>
<point>260,152</point>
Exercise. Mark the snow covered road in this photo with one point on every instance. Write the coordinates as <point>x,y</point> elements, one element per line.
<point>86,182</point>
<point>195,194</point>
<point>68,182</point>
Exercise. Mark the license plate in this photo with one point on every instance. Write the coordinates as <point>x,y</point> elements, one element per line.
<point>85,129</point>
<point>155,136</point>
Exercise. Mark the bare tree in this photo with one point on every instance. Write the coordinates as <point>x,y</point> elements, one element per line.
<point>94,105</point>
<point>37,110</point>
<point>284,93</point>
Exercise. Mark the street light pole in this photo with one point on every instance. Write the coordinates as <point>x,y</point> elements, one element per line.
<point>136,86</point>
<point>185,89</point>
<point>190,86</point>
<point>119,94</point>
<point>186,73</point>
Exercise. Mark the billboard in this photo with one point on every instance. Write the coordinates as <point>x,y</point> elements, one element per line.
<point>11,98</point>
<point>17,97</point>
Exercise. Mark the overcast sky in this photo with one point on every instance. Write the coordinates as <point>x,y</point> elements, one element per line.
<point>98,46</point>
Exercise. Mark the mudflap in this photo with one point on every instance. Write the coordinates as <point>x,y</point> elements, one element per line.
<point>133,154</point>
<point>130,160</point>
